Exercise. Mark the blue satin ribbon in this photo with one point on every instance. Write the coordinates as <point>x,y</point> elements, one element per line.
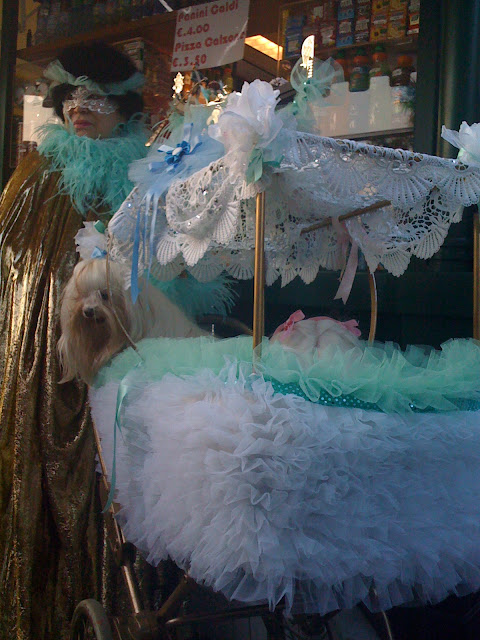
<point>98,253</point>
<point>122,392</point>
<point>173,156</point>
<point>123,389</point>
<point>134,288</point>
<point>171,163</point>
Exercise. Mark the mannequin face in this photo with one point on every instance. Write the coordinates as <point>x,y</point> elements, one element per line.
<point>91,115</point>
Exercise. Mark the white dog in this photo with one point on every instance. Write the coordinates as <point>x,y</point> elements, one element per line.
<point>98,320</point>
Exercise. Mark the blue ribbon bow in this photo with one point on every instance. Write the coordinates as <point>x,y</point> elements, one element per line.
<point>98,253</point>
<point>173,155</point>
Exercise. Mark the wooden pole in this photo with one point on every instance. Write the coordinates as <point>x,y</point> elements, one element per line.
<point>353,214</point>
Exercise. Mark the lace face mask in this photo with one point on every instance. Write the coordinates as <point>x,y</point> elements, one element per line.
<point>83,98</point>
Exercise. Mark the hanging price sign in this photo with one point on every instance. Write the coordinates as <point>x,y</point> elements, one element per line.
<point>210,35</point>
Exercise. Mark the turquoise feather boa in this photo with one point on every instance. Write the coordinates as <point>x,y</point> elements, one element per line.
<point>198,299</point>
<point>94,173</point>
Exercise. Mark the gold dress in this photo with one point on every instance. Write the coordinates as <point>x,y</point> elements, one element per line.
<point>53,551</point>
<point>51,531</point>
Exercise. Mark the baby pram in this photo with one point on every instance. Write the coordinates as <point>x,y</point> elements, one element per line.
<point>208,225</point>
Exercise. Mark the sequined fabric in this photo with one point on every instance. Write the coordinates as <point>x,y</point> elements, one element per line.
<point>51,530</point>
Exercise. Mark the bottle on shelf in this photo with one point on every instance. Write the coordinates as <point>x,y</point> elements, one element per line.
<point>53,17</point>
<point>187,84</point>
<point>341,58</point>
<point>403,92</point>
<point>359,75</point>
<point>380,65</point>
<point>227,80</point>
<point>63,24</point>
<point>380,99</point>
<point>42,22</point>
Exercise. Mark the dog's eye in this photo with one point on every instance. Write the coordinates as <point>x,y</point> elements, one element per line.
<point>104,295</point>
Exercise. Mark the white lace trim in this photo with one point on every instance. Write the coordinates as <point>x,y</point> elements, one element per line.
<point>207,223</point>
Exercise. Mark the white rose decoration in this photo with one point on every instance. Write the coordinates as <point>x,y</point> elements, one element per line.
<point>247,123</point>
<point>467,139</point>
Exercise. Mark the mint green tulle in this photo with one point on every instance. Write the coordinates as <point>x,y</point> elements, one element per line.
<point>379,376</point>
<point>94,173</point>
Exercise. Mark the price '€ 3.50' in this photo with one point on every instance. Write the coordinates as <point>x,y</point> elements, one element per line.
<point>189,61</point>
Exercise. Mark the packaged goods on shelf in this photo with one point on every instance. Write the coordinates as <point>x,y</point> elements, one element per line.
<point>57,18</point>
<point>345,31</point>
<point>294,35</point>
<point>135,49</point>
<point>157,91</point>
<point>362,29</point>
<point>413,18</point>
<point>397,24</point>
<point>380,7</point>
<point>42,21</point>
<point>327,34</point>
<point>328,10</point>
<point>398,5</point>
<point>363,12</point>
<point>346,10</point>
<point>379,27</point>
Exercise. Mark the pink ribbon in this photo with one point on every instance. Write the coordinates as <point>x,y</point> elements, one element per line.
<point>285,329</point>
<point>348,275</point>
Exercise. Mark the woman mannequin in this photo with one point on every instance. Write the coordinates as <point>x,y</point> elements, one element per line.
<point>51,537</point>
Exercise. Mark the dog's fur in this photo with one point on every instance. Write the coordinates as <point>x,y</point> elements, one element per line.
<point>91,333</point>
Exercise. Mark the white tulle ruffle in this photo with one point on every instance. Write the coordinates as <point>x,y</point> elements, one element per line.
<point>264,496</point>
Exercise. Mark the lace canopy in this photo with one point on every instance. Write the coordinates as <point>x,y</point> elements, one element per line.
<point>203,219</point>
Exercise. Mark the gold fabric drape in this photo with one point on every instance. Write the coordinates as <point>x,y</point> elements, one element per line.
<point>51,529</point>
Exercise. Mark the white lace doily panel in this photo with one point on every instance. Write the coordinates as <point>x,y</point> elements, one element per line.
<point>206,224</point>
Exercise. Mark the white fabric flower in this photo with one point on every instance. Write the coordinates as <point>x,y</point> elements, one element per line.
<point>467,139</point>
<point>249,120</point>
<point>91,240</point>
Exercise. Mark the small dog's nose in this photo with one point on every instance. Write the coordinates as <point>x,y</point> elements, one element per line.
<point>89,312</point>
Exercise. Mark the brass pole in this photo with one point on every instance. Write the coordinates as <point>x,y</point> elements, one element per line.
<point>373,306</point>
<point>259,273</point>
<point>476,275</point>
<point>120,538</point>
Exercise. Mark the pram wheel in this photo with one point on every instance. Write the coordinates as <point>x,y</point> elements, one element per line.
<point>90,622</point>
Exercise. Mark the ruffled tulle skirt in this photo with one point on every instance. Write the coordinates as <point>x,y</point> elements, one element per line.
<point>326,481</point>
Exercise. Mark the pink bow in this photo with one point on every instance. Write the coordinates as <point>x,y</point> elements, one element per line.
<point>287,327</point>
<point>284,330</point>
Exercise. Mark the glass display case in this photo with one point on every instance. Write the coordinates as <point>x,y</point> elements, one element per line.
<point>375,43</point>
